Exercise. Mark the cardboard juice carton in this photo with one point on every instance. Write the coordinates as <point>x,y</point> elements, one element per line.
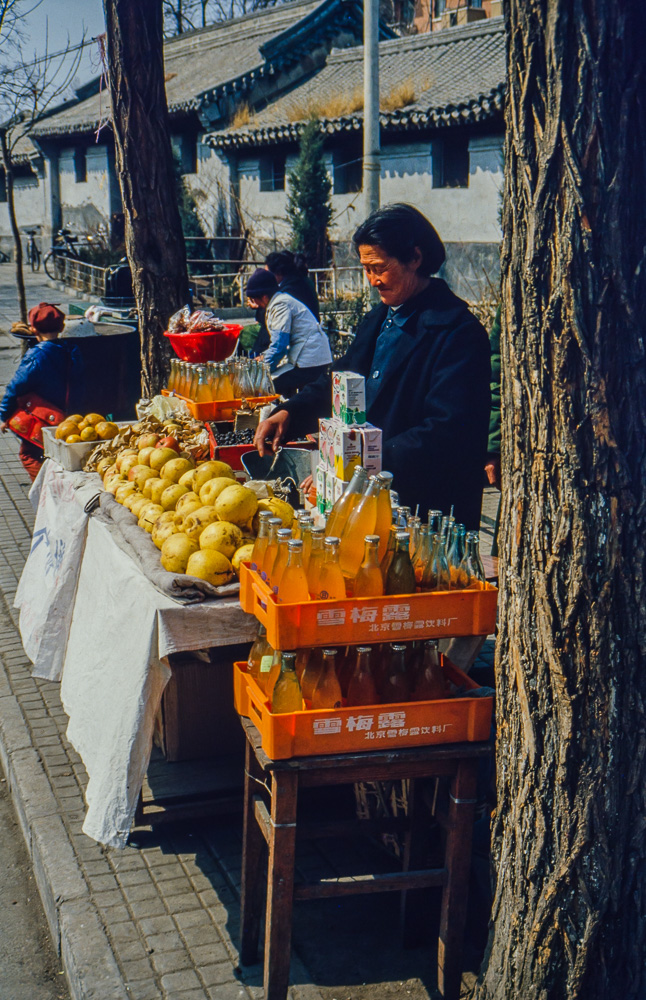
<point>326,443</point>
<point>371,448</point>
<point>349,397</point>
<point>338,488</point>
<point>346,451</point>
<point>321,486</point>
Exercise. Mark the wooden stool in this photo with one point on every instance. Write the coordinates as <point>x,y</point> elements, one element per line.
<point>276,827</point>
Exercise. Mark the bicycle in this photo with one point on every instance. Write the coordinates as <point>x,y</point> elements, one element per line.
<point>32,251</point>
<point>4,257</point>
<point>65,245</point>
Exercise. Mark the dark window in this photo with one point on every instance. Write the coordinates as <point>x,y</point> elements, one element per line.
<point>450,158</point>
<point>453,19</point>
<point>3,187</point>
<point>80,165</point>
<point>272,173</point>
<point>348,171</point>
<point>438,8</point>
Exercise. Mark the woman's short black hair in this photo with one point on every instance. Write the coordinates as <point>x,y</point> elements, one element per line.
<point>286,263</point>
<point>398,229</point>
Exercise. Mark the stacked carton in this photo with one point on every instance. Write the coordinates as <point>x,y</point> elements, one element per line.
<point>345,440</point>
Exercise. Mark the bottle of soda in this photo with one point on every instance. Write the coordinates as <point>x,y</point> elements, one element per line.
<point>455,553</point>
<point>317,554</point>
<point>327,693</point>
<point>350,496</point>
<point>269,670</point>
<point>286,695</point>
<point>260,544</point>
<point>422,553</point>
<point>434,521</point>
<point>259,649</point>
<point>310,674</point>
<point>436,574</point>
<point>292,587</point>
<point>384,512</point>
<point>330,585</point>
<point>274,523</point>
<point>307,524</point>
<point>280,562</point>
<point>401,575</point>
<point>361,522</point>
<point>471,571</point>
<point>390,551</point>
<point>430,683</point>
<point>369,581</point>
<point>396,686</point>
<point>362,689</point>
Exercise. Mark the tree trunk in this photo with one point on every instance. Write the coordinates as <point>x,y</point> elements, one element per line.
<point>7,162</point>
<point>569,913</point>
<point>154,239</point>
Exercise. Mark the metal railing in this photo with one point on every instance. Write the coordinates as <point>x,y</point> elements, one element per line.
<point>78,274</point>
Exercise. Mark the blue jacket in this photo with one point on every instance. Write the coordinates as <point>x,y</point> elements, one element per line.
<point>45,370</point>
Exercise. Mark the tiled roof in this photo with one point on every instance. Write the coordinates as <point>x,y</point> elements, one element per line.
<point>451,77</point>
<point>200,65</point>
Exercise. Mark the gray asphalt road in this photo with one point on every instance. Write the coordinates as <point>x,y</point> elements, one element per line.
<point>29,966</point>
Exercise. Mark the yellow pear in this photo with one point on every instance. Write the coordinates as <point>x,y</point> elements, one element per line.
<point>243,554</point>
<point>141,476</point>
<point>144,456</point>
<point>132,498</point>
<point>123,455</point>
<point>124,491</point>
<point>175,468</point>
<point>186,479</point>
<point>187,498</point>
<point>236,504</point>
<point>181,515</point>
<point>114,483</point>
<point>160,456</point>
<point>196,522</point>
<point>149,515</point>
<point>148,485</point>
<point>103,465</point>
<point>171,495</point>
<point>162,530</point>
<point>222,536</point>
<point>137,505</point>
<point>211,470</point>
<point>176,551</point>
<point>212,488</point>
<point>211,566</point>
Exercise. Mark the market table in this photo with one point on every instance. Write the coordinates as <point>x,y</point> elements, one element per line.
<point>90,617</point>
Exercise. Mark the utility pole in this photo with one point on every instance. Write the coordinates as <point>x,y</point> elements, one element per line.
<point>371,165</point>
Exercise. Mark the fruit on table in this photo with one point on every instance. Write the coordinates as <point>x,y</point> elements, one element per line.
<point>212,488</point>
<point>65,428</point>
<point>278,508</point>
<point>115,483</point>
<point>243,554</point>
<point>160,456</point>
<point>104,465</point>
<point>183,513</point>
<point>169,442</point>
<point>236,504</point>
<point>123,491</point>
<point>211,566</point>
<point>106,429</point>
<point>176,468</point>
<point>171,495</point>
<point>144,455</point>
<point>129,463</point>
<point>74,439</point>
<point>94,419</point>
<point>89,433</point>
<point>176,551</point>
<point>147,440</point>
<point>149,515</point>
<point>187,498</point>
<point>137,504</point>
<point>123,455</point>
<point>162,530</point>
<point>148,485</point>
<point>221,536</point>
<point>197,521</point>
<point>157,487</point>
<point>211,470</point>
<point>187,478</point>
<point>140,475</point>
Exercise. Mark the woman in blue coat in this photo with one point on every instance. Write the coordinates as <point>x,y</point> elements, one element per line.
<point>426,361</point>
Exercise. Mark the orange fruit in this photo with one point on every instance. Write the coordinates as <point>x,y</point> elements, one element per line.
<point>88,433</point>
<point>94,419</point>
<point>73,439</point>
<point>106,429</point>
<point>66,428</point>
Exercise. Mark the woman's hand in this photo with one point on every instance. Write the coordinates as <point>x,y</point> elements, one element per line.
<point>272,432</point>
<point>4,427</point>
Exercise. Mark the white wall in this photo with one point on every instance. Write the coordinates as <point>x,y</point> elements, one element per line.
<point>86,204</point>
<point>29,197</point>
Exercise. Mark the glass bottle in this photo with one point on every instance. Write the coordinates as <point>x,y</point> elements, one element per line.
<point>429,681</point>
<point>259,649</point>
<point>369,581</point>
<point>422,553</point>
<point>192,392</point>
<point>327,691</point>
<point>471,568</point>
<point>306,537</point>
<point>413,524</point>
<point>396,685</point>
<point>302,657</point>
<point>350,496</point>
<point>317,554</point>
<point>269,670</point>
<point>274,523</point>
<point>384,512</point>
<point>455,553</point>
<point>292,586</point>
<point>330,585</point>
<point>404,514</point>
<point>345,663</point>
<point>310,674</point>
<point>361,522</point>
<point>445,528</point>
<point>202,388</point>
<point>362,689</point>
<point>436,574</point>
<point>286,695</point>
<point>224,391</point>
<point>283,535</point>
<point>434,521</point>
<point>401,575</point>
<point>266,387</point>
<point>172,376</point>
<point>390,551</point>
<point>260,544</point>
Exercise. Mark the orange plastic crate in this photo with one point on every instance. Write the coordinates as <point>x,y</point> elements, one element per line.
<point>369,727</point>
<point>222,408</point>
<point>368,619</point>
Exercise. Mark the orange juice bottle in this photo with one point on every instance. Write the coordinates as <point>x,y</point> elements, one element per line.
<point>362,689</point>
<point>306,537</point>
<point>310,674</point>
<point>274,523</point>
<point>317,554</point>
<point>361,522</point>
<point>259,649</point>
<point>286,695</point>
<point>327,691</point>
<point>269,671</point>
<point>330,585</point>
<point>202,388</point>
<point>284,535</point>
<point>260,544</point>
<point>292,586</point>
<point>369,582</point>
<point>384,512</point>
<point>350,496</point>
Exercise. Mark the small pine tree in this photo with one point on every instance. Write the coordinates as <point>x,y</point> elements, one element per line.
<point>308,206</point>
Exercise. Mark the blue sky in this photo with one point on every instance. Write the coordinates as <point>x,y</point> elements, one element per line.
<point>59,20</point>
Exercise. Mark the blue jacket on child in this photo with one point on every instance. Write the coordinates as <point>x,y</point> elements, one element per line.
<point>46,370</point>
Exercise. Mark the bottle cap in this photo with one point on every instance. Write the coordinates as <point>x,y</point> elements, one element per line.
<point>330,652</point>
<point>332,541</point>
<point>372,539</point>
<point>264,515</point>
<point>397,647</point>
<point>294,543</point>
<point>284,532</point>
<point>364,649</point>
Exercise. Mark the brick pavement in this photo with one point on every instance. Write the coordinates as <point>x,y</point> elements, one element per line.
<point>158,921</point>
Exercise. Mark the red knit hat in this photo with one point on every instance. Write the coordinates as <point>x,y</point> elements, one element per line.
<point>46,318</point>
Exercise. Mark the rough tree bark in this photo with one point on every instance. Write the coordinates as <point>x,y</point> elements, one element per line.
<point>569,913</point>
<point>154,239</point>
<point>7,162</point>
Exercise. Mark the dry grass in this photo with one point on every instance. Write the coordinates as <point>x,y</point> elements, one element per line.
<point>399,96</point>
<point>334,107</point>
<point>242,116</point>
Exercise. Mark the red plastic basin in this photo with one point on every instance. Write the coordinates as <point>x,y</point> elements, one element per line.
<point>214,346</point>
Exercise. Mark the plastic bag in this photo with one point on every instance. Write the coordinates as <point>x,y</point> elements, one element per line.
<point>204,321</point>
<point>178,323</point>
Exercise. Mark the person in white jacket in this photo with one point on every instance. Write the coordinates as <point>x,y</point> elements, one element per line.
<point>299,350</point>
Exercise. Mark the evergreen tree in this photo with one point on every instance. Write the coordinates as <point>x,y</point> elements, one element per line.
<point>308,207</point>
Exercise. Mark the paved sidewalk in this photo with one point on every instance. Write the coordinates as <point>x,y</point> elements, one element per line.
<point>158,921</point>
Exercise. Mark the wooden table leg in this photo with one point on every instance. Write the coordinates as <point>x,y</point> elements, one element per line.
<point>458,864</point>
<point>253,854</point>
<point>414,902</point>
<point>280,884</point>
